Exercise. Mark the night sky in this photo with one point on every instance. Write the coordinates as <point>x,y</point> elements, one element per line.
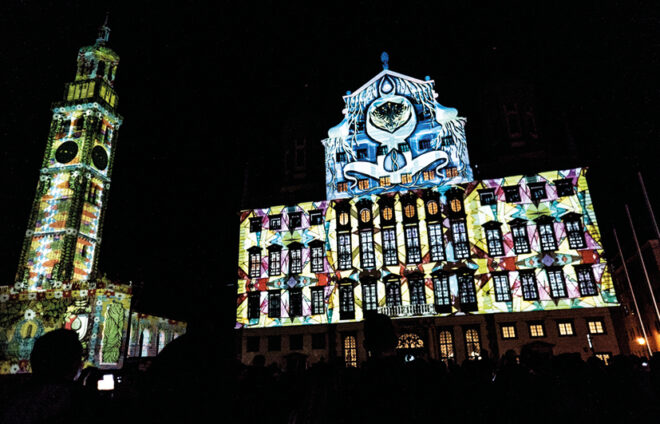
<point>206,88</point>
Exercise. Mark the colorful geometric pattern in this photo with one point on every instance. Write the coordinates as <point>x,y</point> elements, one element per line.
<point>256,236</point>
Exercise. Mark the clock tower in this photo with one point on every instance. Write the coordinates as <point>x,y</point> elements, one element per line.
<point>64,231</point>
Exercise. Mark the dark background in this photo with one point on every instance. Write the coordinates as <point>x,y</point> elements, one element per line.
<point>209,90</point>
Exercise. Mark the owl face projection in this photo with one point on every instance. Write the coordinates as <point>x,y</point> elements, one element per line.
<point>391,115</point>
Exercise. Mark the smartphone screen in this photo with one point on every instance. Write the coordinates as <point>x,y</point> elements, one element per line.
<point>107,383</point>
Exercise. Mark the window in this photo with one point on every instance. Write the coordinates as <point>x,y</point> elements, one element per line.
<point>316,217</point>
<point>294,220</point>
<point>254,305</point>
<point>367,257</point>
<point>406,178</point>
<point>574,231</point>
<point>512,194</point>
<point>586,283</point>
<point>451,172</point>
<point>361,154</point>
<point>595,326</point>
<point>428,175</point>
<point>387,213</point>
<point>509,331</point>
<point>446,345</point>
<point>413,251</point>
<point>536,329</point>
<point>369,296</point>
<point>255,225</point>
<point>350,351</point>
<point>274,305</point>
<point>447,140</point>
<point>274,261</point>
<point>432,207</point>
<point>295,259</point>
<point>381,151</point>
<point>363,184</point>
<point>409,211</point>
<point>318,301</point>
<point>274,343</point>
<point>344,218</point>
<point>344,250</point>
<point>346,302</point>
<point>502,289</point>
<point>565,328</point>
<point>466,292</point>
<point>255,262</point>
<point>403,147</point>
<point>342,187</point>
<point>275,222</point>
<point>252,343</point>
<point>393,293</point>
<point>424,144</point>
<point>528,283</point>
<point>487,197</point>
<point>341,156</point>
<point>296,342</point>
<point>520,238</point>
<point>295,302</point>
<point>318,341</point>
<point>384,181</point>
<point>494,238</point>
<point>390,254</point>
<point>365,215</point>
<point>460,237</point>
<point>547,235</point>
<point>441,291</point>
<point>472,343</point>
<point>537,191</point>
<point>564,187</point>
<point>317,257</point>
<point>556,281</point>
<point>435,242</point>
<point>417,294</point>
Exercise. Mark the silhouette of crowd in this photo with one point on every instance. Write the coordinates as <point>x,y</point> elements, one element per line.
<point>190,381</point>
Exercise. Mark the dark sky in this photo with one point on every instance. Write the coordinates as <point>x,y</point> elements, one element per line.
<point>204,88</point>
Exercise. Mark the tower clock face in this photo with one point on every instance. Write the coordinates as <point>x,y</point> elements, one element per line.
<point>100,158</point>
<point>66,152</point>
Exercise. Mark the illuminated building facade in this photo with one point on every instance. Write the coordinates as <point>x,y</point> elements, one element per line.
<point>462,266</point>
<point>57,284</point>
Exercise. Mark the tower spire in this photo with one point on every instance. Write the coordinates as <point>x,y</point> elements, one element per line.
<point>104,31</point>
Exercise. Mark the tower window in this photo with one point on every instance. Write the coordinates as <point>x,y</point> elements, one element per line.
<point>274,304</point>
<point>557,284</point>
<point>586,282</point>
<point>387,213</point>
<point>413,251</point>
<point>428,175</point>
<point>451,172</point>
<point>390,254</point>
<point>367,257</point>
<point>502,288</point>
<point>435,242</point>
<point>528,283</point>
<point>363,184</point>
<point>403,147</point>
<point>460,238</point>
<point>295,302</point>
<point>369,296</point>
<point>409,211</point>
<point>406,178</point>
<point>344,252</point>
<point>342,187</point>
<point>385,181</point>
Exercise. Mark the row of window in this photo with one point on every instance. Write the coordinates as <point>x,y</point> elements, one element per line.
<point>423,144</point>
<point>461,245</point>
<point>537,192</point>
<point>295,221</point>
<point>467,295</point>
<point>365,183</point>
<point>565,328</point>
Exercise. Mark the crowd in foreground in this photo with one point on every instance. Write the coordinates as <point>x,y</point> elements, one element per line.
<point>189,383</point>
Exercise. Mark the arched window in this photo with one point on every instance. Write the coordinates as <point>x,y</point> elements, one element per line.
<point>410,341</point>
<point>144,342</point>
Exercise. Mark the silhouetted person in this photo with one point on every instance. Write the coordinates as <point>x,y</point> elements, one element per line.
<point>54,396</point>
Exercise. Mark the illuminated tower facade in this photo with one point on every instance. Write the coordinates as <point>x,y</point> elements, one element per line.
<point>64,231</point>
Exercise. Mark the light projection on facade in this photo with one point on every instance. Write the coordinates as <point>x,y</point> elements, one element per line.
<point>420,243</point>
<point>395,137</point>
<point>65,224</point>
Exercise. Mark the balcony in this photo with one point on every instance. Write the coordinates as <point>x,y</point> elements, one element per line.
<point>407,310</point>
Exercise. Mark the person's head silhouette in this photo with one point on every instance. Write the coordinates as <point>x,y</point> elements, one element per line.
<point>57,356</point>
